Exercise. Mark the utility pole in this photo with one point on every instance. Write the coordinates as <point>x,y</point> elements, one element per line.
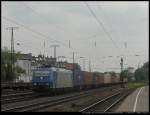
<point>73,65</point>
<point>73,57</point>
<point>121,64</point>
<point>12,47</point>
<point>44,50</point>
<point>54,49</point>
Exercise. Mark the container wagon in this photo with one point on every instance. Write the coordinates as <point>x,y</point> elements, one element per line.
<point>98,79</point>
<point>77,75</point>
<point>78,79</point>
<point>117,78</point>
<point>107,79</point>
<point>113,79</point>
<point>88,79</point>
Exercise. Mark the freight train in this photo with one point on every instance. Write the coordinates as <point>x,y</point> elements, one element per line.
<point>55,79</point>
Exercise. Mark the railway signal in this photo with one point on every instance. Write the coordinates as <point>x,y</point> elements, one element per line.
<point>121,77</point>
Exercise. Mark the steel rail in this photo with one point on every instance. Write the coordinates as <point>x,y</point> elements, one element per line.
<point>117,101</point>
<point>102,101</point>
<point>29,107</point>
<point>85,93</point>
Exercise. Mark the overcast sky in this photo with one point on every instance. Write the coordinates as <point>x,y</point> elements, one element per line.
<point>59,22</point>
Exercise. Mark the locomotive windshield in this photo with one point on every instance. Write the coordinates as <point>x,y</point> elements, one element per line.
<point>40,73</point>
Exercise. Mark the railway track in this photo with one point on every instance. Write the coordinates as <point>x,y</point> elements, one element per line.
<point>107,103</point>
<point>11,91</point>
<point>15,94</point>
<point>36,106</point>
<point>16,97</point>
<point>48,103</point>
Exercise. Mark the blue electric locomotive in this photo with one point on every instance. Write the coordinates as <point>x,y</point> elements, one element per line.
<point>51,79</point>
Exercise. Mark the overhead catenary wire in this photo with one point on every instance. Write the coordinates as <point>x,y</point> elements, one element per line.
<point>42,17</point>
<point>119,34</point>
<point>23,44</point>
<point>44,37</point>
<point>110,25</point>
<point>101,9</point>
<point>38,33</point>
<point>102,25</point>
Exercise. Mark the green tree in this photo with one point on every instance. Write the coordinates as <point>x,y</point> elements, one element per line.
<point>5,63</point>
<point>141,74</point>
<point>6,73</point>
<point>126,73</point>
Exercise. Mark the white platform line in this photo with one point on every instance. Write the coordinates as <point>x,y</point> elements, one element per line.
<point>137,99</point>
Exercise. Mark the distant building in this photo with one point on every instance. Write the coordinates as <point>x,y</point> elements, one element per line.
<point>29,62</point>
<point>27,56</point>
<point>26,65</point>
<point>41,60</point>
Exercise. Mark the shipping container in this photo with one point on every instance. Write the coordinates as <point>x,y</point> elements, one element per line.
<point>101,79</point>
<point>113,79</point>
<point>77,78</point>
<point>98,78</point>
<point>95,78</point>
<point>70,66</point>
<point>117,78</point>
<point>107,78</point>
<point>87,78</point>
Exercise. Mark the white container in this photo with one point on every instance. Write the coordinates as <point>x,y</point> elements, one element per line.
<point>117,78</point>
<point>107,78</point>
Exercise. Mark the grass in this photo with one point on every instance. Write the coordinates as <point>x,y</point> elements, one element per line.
<point>137,84</point>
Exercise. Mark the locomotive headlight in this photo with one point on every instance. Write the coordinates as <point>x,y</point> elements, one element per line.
<point>41,78</point>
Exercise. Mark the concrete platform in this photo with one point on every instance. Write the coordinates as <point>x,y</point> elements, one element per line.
<point>138,101</point>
